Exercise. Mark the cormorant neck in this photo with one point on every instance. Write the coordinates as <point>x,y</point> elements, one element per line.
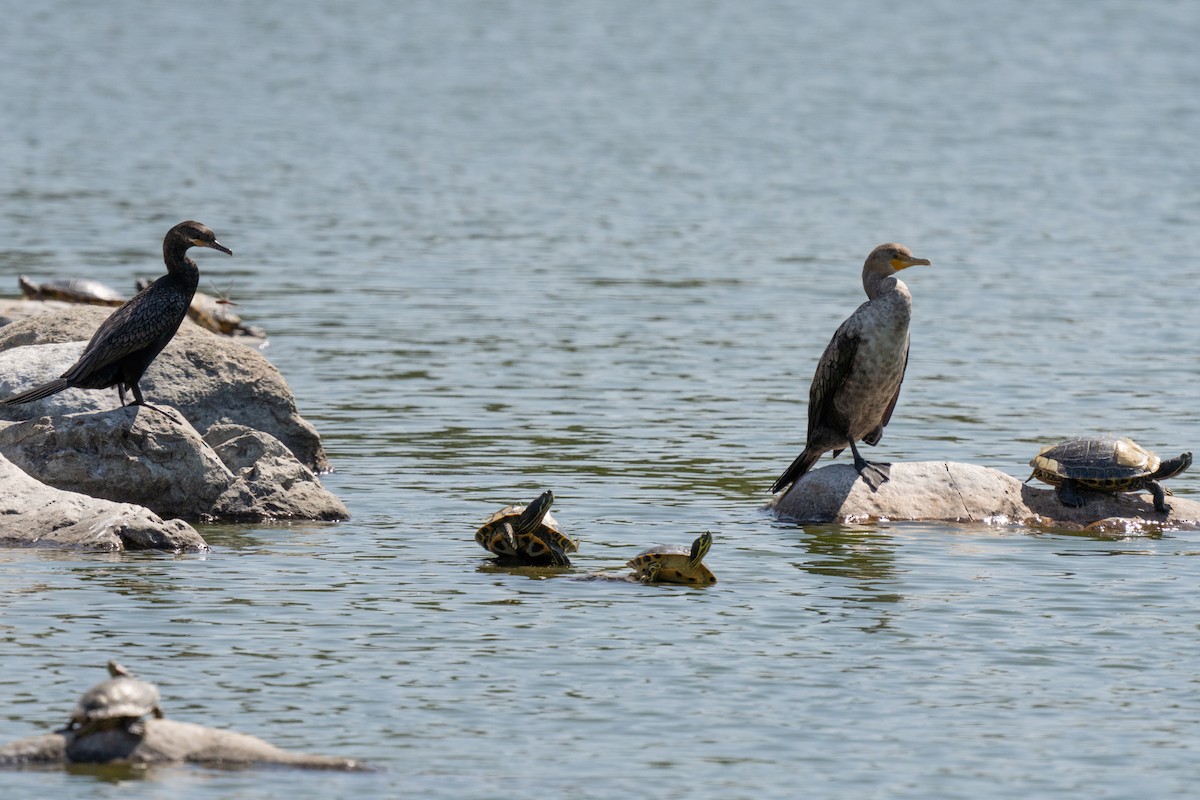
<point>178,263</point>
<point>877,285</point>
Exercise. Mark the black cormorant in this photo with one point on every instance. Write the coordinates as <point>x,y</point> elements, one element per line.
<point>124,345</point>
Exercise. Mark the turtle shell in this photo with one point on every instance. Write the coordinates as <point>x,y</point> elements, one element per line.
<point>71,290</point>
<point>670,563</point>
<point>120,697</point>
<point>491,537</point>
<point>1107,463</point>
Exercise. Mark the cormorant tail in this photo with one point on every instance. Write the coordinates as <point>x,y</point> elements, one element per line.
<point>801,465</point>
<point>37,392</point>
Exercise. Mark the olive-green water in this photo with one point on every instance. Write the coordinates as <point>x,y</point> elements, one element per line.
<point>597,247</point>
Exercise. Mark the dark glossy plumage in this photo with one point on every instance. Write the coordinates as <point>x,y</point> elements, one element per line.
<point>128,341</point>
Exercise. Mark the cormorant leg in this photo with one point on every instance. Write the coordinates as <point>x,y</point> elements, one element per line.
<point>138,400</point>
<point>1068,494</point>
<point>873,474</point>
<point>121,393</point>
<point>1160,498</point>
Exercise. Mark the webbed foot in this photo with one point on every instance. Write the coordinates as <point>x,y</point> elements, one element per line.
<point>875,474</point>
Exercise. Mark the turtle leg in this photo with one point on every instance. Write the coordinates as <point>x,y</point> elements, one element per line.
<point>510,537</point>
<point>1160,497</point>
<point>650,573</point>
<point>1068,494</point>
<point>873,474</point>
<point>557,557</point>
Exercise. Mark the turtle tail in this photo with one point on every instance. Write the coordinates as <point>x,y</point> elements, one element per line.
<point>1171,468</point>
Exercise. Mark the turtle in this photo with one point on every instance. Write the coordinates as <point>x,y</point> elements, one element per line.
<point>122,701</point>
<point>527,534</point>
<point>71,290</point>
<point>1104,464</point>
<point>675,563</point>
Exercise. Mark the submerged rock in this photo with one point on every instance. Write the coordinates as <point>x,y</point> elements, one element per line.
<point>954,492</point>
<point>161,741</point>
<point>210,378</point>
<point>152,457</point>
<point>32,513</point>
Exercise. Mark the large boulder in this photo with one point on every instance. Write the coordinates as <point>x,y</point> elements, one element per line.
<point>32,513</point>
<point>163,741</point>
<point>153,457</point>
<point>210,378</point>
<point>953,492</point>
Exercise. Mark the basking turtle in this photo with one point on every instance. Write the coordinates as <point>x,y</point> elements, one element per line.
<point>120,702</point>
<point>527,534</point>
<point>71,290</point>
<point>1105,464</point>
<point>675,563</point>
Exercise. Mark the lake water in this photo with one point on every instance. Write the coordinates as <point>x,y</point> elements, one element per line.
<point>598,247</point>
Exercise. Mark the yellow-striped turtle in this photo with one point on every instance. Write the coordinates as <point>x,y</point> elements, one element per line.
<point>675,563</point>
<point>122,701</point>
<point>1105,464</point>
<point>527,534</point>
<point>71,290</point>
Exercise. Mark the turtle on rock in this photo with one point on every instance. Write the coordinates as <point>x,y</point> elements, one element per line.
<point>122,701</point>
<point>1105,464</point>
<point>71,290</point>
<point>527,535</point>
<point>675,563</point>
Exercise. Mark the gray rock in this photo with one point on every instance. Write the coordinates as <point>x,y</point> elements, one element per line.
<point>152,457</point>
<point>269,482</point>
<point>32,513</point>
<point>210,378</point>
<point>954,492</point>
<point>127,455</point>
<point>13,310</point>
<point>163,741</point>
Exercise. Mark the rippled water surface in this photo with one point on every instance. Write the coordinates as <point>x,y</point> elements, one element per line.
<point>598,247</point>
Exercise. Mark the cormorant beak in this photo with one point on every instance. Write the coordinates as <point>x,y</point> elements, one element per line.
<point>904,263</point>
<point>214,244</point>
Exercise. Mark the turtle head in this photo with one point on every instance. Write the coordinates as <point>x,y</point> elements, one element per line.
<point>1174,466</point>
<point>700,549</point>
<point>535,512</point>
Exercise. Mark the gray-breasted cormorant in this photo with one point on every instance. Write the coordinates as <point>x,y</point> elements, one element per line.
<point>857,382</point>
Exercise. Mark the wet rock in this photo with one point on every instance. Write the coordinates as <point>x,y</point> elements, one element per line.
<point>269,482</point>
<point>152,457</point>
<point>163,741</point>
<point>209,378</point>
<point>955,492</point>
<point>32,513</point>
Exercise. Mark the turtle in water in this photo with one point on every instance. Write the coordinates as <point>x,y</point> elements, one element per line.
<point>675,563</point>
<point>122,701</point>
<point>1105,464</point>
<point>527,534</point>
<point>71,290</point>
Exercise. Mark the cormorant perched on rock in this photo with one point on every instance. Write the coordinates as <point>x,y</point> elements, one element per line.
<point>124,345</point>
<point>857,381</point>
